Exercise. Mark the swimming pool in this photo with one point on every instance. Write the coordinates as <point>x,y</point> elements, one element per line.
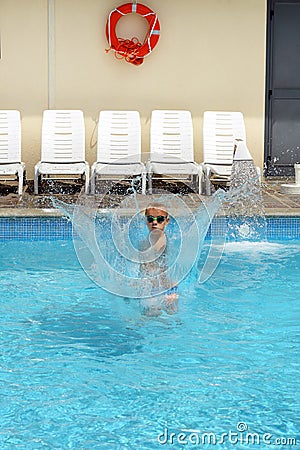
<point>83,369</point>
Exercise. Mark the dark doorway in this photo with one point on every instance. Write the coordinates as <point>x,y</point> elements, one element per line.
<point>282,137</point>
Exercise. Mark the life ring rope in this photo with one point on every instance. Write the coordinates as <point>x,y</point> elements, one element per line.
<point>132,50</point>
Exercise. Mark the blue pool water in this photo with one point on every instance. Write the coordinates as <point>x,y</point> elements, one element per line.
<point>83,369</point>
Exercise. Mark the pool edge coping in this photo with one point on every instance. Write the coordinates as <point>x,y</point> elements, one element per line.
<point>53,212</point>
<point>56,213</point>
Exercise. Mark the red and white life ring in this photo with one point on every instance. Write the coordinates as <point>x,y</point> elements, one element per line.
<point>131,49</point>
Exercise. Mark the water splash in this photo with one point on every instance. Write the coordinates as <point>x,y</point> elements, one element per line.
<point>245,201</point>
<point>107,242</point>
<point>109,235</point>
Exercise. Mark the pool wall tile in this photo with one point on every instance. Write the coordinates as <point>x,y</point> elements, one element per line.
<point>60,228</point>
<point>277,227</point>
<point>35,229</point>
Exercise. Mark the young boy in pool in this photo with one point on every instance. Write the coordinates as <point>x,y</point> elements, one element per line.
<point>157,219</point>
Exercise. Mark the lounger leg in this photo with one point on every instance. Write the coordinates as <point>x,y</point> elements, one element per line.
<point>150,182</point>
<point>86,184</point>
<point>24,177</point>
<point>93,182</point>
<point>201,175</point>
<point>144,181</point>
<point>20,179</point>
<point>87,178</point>
<point>200,183</point>
<point>207,181</point>
<point>258,173</point>
<point>194,179</point>
<point>36,181</point>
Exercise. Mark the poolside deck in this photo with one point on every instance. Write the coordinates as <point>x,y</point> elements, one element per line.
<point>11,205</point>
<point>279,204</point>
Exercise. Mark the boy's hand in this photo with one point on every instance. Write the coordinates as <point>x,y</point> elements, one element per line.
<point>171,302</point>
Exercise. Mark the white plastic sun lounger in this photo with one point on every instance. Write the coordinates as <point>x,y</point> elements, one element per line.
<point>220,129</point>
<point>172,147</point>
<point>11,165</point>
<point>63,147</point>
<point>118,148</point>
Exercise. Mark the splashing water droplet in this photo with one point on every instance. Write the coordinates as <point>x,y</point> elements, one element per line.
<point>245,203</point>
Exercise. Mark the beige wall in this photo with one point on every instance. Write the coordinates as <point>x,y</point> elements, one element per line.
<point>23,67</point>
<point>211,55</point>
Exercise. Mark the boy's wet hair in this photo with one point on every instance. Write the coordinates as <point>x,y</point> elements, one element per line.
<point>156,205</point>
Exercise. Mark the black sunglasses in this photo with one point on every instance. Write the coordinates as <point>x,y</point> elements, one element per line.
<point>159,219</point>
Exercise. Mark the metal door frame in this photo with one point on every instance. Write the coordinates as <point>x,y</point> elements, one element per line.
<point>268,106</point>
<point>269,169</point>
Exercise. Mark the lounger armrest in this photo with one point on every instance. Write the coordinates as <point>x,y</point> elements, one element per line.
<point>120,163</point>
